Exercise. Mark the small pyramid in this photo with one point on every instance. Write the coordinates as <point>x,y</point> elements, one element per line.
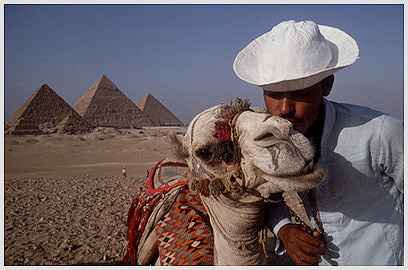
<point>160,115</point>
<point>40,114</point>
<point>104,105</point>
<point>73,123</point>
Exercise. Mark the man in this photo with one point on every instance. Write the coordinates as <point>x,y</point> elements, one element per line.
<point>358,210</point>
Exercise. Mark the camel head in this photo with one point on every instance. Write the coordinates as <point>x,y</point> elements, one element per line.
<point>235,151</point>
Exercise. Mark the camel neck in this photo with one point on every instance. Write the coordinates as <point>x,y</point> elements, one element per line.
<point>236,230</point>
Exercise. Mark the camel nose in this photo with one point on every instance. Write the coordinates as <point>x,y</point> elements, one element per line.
<point>276,129</point>
<point>282,127</point>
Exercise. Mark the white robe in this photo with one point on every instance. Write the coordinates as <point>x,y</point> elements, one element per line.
<point>361,201</point>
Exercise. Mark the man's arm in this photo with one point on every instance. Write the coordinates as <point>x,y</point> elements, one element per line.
<point>391,150</point>
<point>303,248</point>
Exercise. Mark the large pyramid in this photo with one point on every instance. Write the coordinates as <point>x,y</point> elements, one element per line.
<point>42,113</point>
<point>104,105</point>
<point>160,115</point>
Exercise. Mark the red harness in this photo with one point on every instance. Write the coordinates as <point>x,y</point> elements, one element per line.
<point>194,243</point>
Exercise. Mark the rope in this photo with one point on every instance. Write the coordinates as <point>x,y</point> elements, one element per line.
<point>262,239</point>
<point>316,214</point>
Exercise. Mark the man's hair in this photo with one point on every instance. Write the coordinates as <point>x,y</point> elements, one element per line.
<point>325,82</point>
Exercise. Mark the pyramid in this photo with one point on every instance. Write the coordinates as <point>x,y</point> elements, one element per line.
<point>160,115</point>
<point>40,114</point>
<point>104,105</point>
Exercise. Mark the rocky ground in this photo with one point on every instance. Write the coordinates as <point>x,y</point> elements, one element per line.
<point>66,221</point>
<point>71,221</point>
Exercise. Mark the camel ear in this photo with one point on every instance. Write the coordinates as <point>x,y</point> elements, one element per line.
<point>176,140</point>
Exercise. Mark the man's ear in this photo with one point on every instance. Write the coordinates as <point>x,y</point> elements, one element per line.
<point>327,85</point>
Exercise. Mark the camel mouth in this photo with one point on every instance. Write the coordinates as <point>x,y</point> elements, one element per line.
<point>309,177</point>
<point>308,173</point>
<point>302,181</point>
<point>309,168</point>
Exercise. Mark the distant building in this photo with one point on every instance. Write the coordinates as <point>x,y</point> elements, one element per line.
<point>104,105</point>
<point>159,114</point>
<point>42,113</point>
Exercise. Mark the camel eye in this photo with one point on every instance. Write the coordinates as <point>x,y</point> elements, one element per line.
<point>223,151</point>
<point>204,154</point>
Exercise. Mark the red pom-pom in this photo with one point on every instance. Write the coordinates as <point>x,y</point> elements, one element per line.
<point>222,131</point>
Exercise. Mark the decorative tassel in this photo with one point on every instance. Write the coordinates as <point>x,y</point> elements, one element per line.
<point>216,187</point>
<point>222,131</point>
<point>203,188</point>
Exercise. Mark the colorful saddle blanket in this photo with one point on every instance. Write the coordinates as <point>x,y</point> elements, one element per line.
<point>185,236</point>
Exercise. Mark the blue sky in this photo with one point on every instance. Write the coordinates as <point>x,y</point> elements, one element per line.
<point>183,54</point>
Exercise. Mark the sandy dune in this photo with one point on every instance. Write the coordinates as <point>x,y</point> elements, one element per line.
<point>97,154</point>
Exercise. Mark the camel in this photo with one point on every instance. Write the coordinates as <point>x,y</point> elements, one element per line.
<point>236,159</point>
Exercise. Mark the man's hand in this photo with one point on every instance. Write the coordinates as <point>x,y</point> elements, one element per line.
<point>303,248</point>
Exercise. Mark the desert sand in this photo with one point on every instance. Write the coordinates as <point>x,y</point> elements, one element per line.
<point>65,199</point>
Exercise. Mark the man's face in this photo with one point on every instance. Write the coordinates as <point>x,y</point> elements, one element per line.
<point>299,107</point>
